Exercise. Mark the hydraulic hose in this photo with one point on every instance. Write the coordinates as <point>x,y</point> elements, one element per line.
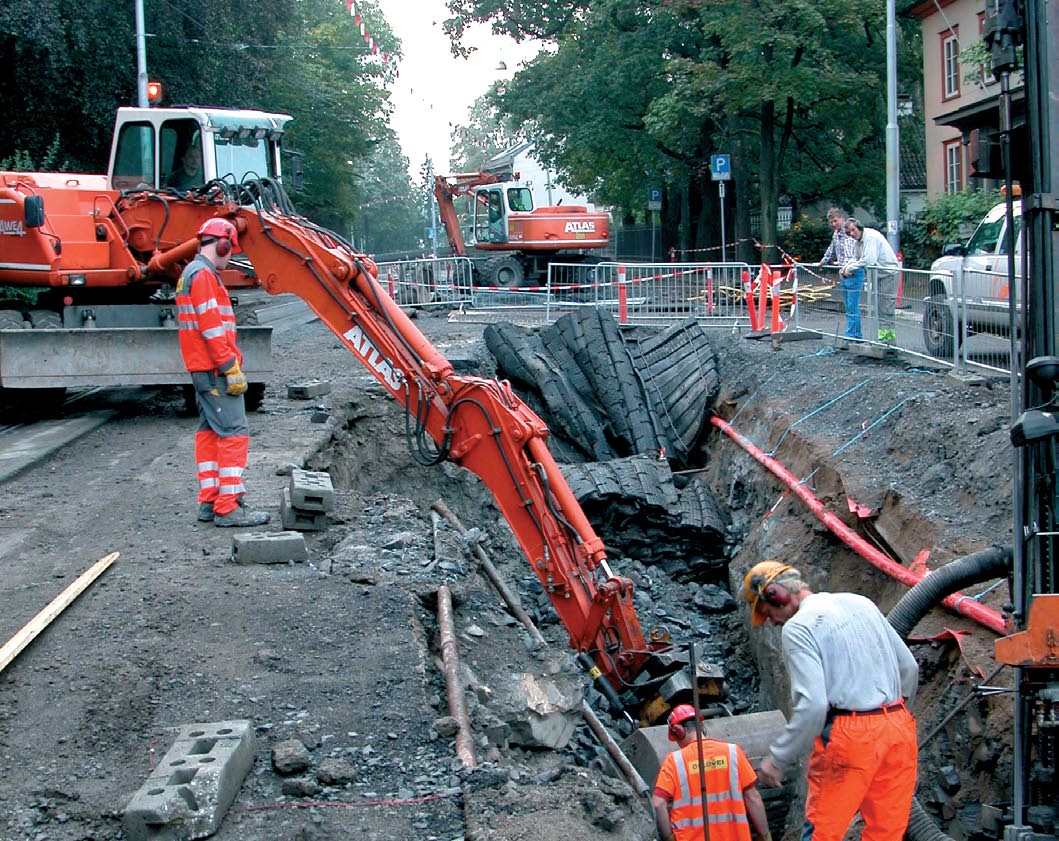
<point>921,826</point>
<point>955,601</point>
<point>972,569</point>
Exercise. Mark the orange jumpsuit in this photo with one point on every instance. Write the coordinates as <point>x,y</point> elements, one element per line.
<point>728,773</point>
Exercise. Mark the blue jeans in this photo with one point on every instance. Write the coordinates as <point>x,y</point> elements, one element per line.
<point>851,287</point>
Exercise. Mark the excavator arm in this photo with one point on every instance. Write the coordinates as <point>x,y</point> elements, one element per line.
<point>475,422</point>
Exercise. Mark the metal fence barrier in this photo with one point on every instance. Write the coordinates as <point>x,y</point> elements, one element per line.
<point>960,319</point>
<point>437,281</point>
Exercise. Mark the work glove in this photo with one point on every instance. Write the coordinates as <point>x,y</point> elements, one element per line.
<point>236,380</point>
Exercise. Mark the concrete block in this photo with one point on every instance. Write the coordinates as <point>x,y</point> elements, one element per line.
<point>311,490</point>
<point>271,547</point>
<point>298,519</point>
<point>188,793</point>
<point>308,390</point>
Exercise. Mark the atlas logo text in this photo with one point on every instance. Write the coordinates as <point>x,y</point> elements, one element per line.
<point>374,360</point>
<point>580,227</point>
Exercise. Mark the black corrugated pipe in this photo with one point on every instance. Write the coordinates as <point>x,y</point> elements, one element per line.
<point>913,606</point>
<point>972,569</point>
<point>921,826</point>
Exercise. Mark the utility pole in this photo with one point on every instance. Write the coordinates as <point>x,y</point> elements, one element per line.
<point>893,145</point>
<point>433,209</point>
<point>141,57</point>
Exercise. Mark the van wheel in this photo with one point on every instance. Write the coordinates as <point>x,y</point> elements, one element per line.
<point>939,333</point>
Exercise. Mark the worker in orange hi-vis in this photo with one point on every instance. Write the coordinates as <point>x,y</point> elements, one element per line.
<point>208,345</point>
<point>718,769</point>
<point>852,679</point>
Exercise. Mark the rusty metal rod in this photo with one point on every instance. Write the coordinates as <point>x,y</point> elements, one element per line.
<point>620,759</point>
<point>450,655</point>
<point>509,597</point>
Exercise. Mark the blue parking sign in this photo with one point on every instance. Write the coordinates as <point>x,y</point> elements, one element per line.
<point>654,198</point>
<point>721,167</point>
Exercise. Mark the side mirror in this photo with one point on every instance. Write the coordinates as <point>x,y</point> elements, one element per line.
<point>953,249</point>
<point>34,211</point>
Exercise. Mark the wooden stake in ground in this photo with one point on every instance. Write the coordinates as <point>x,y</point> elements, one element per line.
<point>38,623</point>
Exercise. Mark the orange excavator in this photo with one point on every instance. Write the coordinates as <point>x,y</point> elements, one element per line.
<point>512,241</point>
<point>85,234</point>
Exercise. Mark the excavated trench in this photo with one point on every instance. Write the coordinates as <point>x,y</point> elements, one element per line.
<point>683,513</point>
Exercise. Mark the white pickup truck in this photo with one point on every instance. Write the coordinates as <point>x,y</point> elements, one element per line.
<point>984,290</point>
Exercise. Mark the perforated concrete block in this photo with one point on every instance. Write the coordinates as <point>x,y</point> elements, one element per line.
<point>298,519</point>
<point>311,490</point>
<point>188,793</point>
<point>270,547</point>
<point>308,390</point>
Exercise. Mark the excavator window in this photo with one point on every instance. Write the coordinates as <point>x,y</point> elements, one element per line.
<point>134,160</point>
<point>520,199</point>
<point>181,154</point>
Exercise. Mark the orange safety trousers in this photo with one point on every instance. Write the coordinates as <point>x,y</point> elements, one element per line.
<point>868,765</point>
<point>219,464</point>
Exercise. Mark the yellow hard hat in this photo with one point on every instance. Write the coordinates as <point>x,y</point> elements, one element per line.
<point>760,576</point>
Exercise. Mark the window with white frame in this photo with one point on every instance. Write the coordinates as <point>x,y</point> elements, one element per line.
<point>950,64</point>
<point>954,166</point>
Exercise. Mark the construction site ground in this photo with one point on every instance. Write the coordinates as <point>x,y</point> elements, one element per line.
<point>342,653</point>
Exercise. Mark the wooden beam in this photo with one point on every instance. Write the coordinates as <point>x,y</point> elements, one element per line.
<point>38,623</point>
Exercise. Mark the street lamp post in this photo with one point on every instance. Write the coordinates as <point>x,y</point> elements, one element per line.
<point>893,164</point>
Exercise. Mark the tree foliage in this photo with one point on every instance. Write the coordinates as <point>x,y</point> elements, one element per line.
<point>66,68</point>
<point>947,219</point>
<point>638,94</point>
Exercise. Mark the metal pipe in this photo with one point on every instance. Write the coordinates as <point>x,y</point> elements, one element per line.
<point>450,655</point>
<point>694,667</point>
<point>510,599</point>
<point>620,759</point>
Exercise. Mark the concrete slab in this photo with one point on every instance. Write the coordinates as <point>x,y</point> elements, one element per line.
<point>270,547</point>
<point>311,490</point>
<point>23,446</point>
<point>187,795</point>
<point>308,390</point>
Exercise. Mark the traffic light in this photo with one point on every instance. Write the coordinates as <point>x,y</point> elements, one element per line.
<point>154,93</point>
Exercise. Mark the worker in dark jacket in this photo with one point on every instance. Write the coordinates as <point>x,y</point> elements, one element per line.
<point>208,345</point>
<point>852,679</point>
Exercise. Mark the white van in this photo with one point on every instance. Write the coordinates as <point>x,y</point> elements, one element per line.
<point>984,264</point>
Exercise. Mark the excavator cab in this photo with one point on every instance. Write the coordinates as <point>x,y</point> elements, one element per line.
<point>186,148</point>
<point>490,216</point>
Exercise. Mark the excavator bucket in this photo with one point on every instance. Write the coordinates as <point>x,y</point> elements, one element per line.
<point>753,732</point>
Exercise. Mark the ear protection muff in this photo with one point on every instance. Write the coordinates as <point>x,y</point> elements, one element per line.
<point>776,596</point>
<point>677,732</point>
<point>224,246</point>
<point>681,714</point>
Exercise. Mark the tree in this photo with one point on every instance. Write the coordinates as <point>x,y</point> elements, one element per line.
<point>390,219</point>
<point>486,134</point>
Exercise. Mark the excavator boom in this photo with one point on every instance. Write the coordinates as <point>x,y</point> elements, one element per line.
<point>476,422</point>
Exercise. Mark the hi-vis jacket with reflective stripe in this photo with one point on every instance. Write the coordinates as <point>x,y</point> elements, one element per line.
<point>206,319</point>
<point>728,772</point>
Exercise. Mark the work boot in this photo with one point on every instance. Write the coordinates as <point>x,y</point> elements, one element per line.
<point>242,518</point>
<point>205,512</point>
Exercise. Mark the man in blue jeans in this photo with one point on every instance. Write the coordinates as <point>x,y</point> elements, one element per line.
<point>840,251</point>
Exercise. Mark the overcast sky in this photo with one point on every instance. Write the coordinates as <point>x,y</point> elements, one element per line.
<point>434,88</point>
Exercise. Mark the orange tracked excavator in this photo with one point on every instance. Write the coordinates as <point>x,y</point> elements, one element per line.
<point>512,241</point>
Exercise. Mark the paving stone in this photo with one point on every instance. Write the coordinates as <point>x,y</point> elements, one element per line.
<point>297,519</point>
<point>272,547</point>
<point>311,490</point>
<point>308,390</point>
<point>188,793</point>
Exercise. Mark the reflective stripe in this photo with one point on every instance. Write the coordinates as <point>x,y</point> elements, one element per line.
<point>206,465</point>
<point>206,306</point>
<point>214,333</point>
<point>227,472</point>
<point>209,483</point>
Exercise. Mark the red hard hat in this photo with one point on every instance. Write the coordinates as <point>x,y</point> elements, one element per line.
<point>218,228</point>
<point>680,714</point>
